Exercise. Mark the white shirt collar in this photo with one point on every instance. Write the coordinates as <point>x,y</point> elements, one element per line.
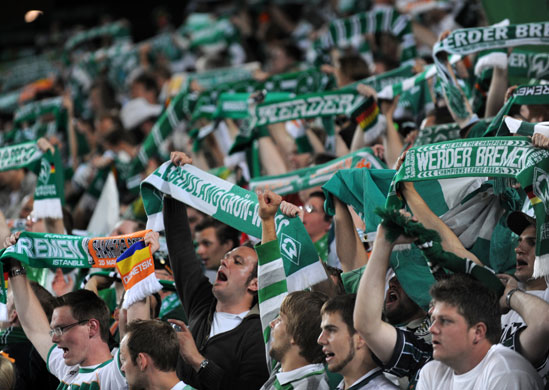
<point>298,373</point>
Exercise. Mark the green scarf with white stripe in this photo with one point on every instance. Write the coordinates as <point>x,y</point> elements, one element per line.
<point>235,207</point>
<point>317,175</point>
<point>495,157</point>
<point>118,30</point>
<point>471,40</point>
<point>524,94</point>
<point>348,31</point>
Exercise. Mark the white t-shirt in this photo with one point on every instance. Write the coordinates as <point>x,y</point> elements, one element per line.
<point>107,375</point>
<point>501,369</point>
<point>223,322</point>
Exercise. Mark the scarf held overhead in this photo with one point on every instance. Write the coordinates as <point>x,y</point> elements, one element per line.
<point>235,207</point>
<point>494,157</point>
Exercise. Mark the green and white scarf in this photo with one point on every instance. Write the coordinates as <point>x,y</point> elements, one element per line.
<point>49,195</point>
<point>471,40</point>
<point>163,127</point>
<point>301,82</point>
<point>527,65</point>
<point>437,133</point>
<point>26,70</point>
<point>349,31</point>
<point>381,81</point>
<point>30,112</point>
<point>235,207</point>
<point>524,94</point>
<point>118,30</point>
<point>19,156</point>
<point>516,126</point>
<point>390,91</point>
<point>495,157</point>
<point>213,78</point>
<point>305,178</point>
<point>306,106</point>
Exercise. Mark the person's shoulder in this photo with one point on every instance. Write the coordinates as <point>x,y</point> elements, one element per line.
<point>507,361</point>
<point>435,370</point>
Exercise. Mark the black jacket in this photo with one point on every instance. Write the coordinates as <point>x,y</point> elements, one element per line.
<point>237,357</point>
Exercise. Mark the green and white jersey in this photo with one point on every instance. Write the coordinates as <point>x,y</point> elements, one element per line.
<point>309,377</point>
<point>104,376</point>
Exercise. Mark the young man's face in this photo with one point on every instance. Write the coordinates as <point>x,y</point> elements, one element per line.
<point>75,340</point>
<point>313,218</point>
<point>232,281</point>
<point>281,341</point>
<point>133,374</point>
<point>452,336</point>
<point>337,343</point>
<point>526,254</point>
<point>210,250</point>
<point>398,307</point>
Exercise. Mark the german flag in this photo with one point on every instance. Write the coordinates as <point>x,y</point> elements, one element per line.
<point>533,198</point>
<point>366,114</point>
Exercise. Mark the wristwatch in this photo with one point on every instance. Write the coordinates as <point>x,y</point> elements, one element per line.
<point>203,364</point>
<point>509,295</point>
<point>16,272</point>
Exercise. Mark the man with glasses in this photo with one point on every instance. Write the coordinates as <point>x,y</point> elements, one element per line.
<point>317,222</point>
<point>74,345</point>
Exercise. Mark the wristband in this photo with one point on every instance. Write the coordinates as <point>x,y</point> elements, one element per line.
<point>509,295</point>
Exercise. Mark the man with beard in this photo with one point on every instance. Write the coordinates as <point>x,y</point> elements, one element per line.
<point>291,322</point>
<point>222,348</point>
<point>214,239</point>
<point>346,351</point>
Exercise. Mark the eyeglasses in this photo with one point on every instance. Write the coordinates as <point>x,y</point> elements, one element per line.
<point>59,330</point>
<point>310,209</point>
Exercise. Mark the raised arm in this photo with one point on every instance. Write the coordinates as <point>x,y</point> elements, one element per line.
<point>534,339</point>
<point>420,209</point>
<point>350,250</point>
<point>192,286</point>
<point>380,336</point>
<point>29,311</point>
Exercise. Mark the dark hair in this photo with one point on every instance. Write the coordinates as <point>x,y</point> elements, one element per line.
<point>148,81</point>
<point>353,66</point>
<point>223,232</point>
<point>302,309</point>
<point>155,338</point>
<point>85,305</point>
<point>539,110</point>
<point>344,305</point>
<point>473,300</point>
<point>107,93</point>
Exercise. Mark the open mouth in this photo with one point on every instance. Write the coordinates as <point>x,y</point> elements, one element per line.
<point>329,355</point>
<point>521,263</point>
<point>391,297</point>
<point>221,276</point>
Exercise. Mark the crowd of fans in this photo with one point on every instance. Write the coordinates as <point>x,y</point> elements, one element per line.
<point>308,109</point>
